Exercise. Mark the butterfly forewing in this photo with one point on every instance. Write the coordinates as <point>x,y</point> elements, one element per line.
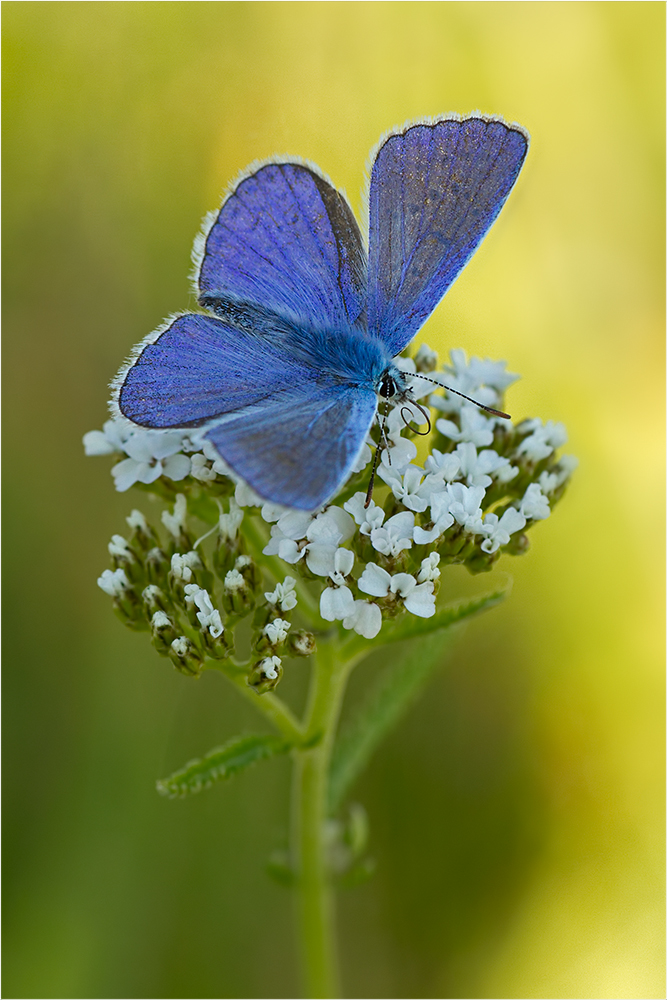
<point>288,241</point>
<point>199,368</point>
<point>435,191</point>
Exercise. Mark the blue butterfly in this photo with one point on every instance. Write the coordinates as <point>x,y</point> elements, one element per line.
<point>283,371</point>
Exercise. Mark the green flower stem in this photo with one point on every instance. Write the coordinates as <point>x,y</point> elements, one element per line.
<point>269,705</point>
<point>315,903</point>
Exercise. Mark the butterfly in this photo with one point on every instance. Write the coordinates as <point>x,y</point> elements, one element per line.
<point>300,324</point>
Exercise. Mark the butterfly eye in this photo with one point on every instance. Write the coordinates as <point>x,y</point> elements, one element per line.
<point>388,387</point>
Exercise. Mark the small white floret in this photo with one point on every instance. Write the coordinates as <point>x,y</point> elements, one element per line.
<point>284,595</point>
<point>445,464</point>
<point>200,469</point>
<point>234,581</point>
<point>160,620</point>
<point>420,600</point>
<point>113,582</point>
<point>175,522</point>
<point>182,565</point>
<point>363,459</point>
<point>395,535</point>
<point>137,521</point>
<point>534,504</point>
<point>429,568</point>
<point>498,531</point>
<point>208,616</point>
<point>270,666</point>
<point>400,454</point>
<point>375,580</point>
<point>336,603</point>
<point>475,427</point>
<point>465,506</point>
<point>365,618</point>
<point>408,487</point>
<point>366,517</point>
<point>118,546</point>
<point>229,524</point>
<point>276,631</point>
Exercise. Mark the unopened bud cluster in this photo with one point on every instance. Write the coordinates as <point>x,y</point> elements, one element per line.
<point>190,602</point>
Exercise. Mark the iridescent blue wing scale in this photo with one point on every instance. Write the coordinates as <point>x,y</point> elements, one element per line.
<point>199,368</point>
<point>288,430</point>
<point>435,190</point>
<point>296,448</point>
<point>285,239</point>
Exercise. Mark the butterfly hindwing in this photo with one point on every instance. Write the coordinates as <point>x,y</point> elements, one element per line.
<point>287,240</point>
<point>435,191</point>
<point>296,448</point>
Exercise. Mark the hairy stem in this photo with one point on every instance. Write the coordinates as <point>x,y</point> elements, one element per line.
<point>315,903</point>
<point>269,705</point>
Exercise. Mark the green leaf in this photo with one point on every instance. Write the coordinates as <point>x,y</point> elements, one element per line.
<point>399,685</point>
<point>221,763</point>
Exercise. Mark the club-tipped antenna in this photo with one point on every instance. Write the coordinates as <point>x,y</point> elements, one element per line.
<point>483,406</point>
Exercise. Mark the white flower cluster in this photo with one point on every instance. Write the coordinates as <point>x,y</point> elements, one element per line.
<point>153,453</point>
<point>484,481</point>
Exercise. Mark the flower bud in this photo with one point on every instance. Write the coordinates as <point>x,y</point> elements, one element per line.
<point>225,555</point>
<point>114,582</point>
<point>185,656</point>
<point>301,643</point>
<point>266,674</point>
<point>218,647</point>
<point>182,571</point>
<point>131,611</point>
<point>230,543</point>
<point>518,544</point>
<point>154,599</point>
<point>157,566</point>
<point>482,562</point>
<point>143,535</point>
<point>237,598</point>
<point>249,570</point>
<point>272,635</point>
<point>126,604</point>
<point>123,557</point>
<point>175,524</point>
<point>163,631</point>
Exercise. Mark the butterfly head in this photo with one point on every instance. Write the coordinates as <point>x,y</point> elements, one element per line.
<point>392,383</point>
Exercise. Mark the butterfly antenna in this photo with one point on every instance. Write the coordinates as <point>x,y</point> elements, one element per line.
<point>382,441</point>
<point>483,406</point>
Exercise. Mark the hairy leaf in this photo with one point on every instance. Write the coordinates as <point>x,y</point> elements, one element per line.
<point>221,763</point>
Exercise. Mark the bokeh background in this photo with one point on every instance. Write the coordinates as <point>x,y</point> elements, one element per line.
<point>516,815</point>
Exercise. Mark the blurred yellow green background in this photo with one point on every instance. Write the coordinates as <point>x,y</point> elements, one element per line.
<point>517,814</point>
